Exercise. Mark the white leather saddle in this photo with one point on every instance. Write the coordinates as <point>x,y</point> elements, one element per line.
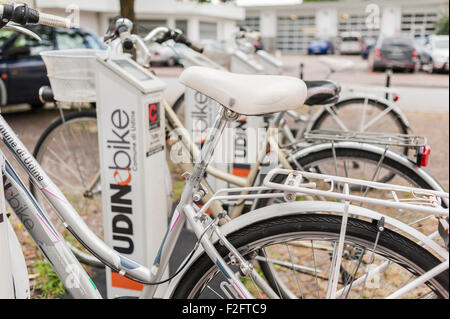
<point>336,65</point>
<point>247,94</point>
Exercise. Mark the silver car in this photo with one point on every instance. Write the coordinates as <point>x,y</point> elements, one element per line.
<point>350,43</point>
<point>437,49</point>
<point>163,55</point>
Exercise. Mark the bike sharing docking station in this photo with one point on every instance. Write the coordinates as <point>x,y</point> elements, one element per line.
<point>245,64</point>
<point>271,64</point>
<point>131,124</point>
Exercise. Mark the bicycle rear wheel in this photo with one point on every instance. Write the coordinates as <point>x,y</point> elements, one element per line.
<point>370,163</point>
<point>361,115</point>
<point>300,247</point>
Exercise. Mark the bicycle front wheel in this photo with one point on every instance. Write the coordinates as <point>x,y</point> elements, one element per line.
<point>300,250</point>
<point>68,152</point>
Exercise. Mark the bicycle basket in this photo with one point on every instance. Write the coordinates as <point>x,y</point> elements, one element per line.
<point>72,74</point>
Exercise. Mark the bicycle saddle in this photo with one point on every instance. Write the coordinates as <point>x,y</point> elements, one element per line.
<point>247,94</point>
<point>322,92</point>
<point>336,65</point>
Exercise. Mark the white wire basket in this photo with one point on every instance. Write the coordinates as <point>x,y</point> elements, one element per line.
<point>72,74</point>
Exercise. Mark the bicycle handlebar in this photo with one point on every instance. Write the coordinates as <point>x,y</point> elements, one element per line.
<point>163,34</point>
<point>180,38</point>
<point>54,21</point>
<point>22,14</point>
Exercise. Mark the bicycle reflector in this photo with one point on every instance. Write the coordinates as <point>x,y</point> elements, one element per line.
<point>423,156</point>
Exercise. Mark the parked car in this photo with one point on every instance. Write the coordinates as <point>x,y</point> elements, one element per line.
<point>424,56</point>
<point>258,45</point>
<point>164,55</point>
<point>397,52</point>
<point>368,44</point>
<point>320,47</point>
<point>350,43</point>
<point>437,50</point>
<point>218,51</point>
<point>22,70</point>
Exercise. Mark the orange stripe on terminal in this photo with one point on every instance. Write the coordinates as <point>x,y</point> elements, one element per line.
<point>207,211</point>
<point>119,281</point>
<point>241,172</point>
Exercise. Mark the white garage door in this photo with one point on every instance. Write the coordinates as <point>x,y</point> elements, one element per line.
<point>419,24</point>
<point>251,23</point>
<point>295,33</point>
<point>356,23</point>
<point>208,30</point>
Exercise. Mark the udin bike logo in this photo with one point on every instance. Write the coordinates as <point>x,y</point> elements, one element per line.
<point>241,166</point>
<point>199,117</point>
<point>121,159</point>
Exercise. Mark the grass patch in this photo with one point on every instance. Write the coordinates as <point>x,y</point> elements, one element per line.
<point>177,191</point>
<point>47,284</point>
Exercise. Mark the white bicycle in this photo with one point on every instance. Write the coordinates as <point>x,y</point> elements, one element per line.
<point>316,249</point>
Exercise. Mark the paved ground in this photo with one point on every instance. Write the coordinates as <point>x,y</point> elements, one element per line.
<point>423,98</point>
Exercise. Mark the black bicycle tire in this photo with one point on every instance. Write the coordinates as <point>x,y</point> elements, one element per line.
<point>356,228</point>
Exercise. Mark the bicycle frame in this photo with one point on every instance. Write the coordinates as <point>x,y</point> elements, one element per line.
<point>59,255</point>
<point>271,142</point>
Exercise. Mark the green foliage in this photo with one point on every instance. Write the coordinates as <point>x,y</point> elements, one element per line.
<point>178,190</point>
<point>48,283</point>
<point>442,25</point>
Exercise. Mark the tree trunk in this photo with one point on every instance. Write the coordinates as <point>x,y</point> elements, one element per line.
<point>127,9</point>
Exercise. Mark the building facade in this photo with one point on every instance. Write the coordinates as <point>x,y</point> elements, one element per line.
<point>290,28</point>
<point>214,20</point>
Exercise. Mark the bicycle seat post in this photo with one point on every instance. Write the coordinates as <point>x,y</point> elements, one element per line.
<point>224,116</point>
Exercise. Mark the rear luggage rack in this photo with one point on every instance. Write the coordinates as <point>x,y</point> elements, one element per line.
<point>301,183</point>
<point>385,139</point>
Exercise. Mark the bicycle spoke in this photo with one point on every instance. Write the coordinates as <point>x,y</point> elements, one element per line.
<point>295,274</point>
<point>376,119</point>
<point>215,292</point>
<point>315,270</point>
<point>380,227</point>
<point>336,118</point>
<point>272,272</point>
<point>363,116</point>
<point>355,272</point>
<point>256,287</point>
<point>69,169</point>
<point>71,151</point>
